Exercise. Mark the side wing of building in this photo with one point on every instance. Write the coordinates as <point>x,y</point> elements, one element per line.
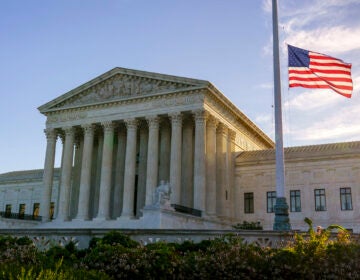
<point>322,183</point>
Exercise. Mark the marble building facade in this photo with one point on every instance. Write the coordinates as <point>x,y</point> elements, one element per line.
<point>126,132</point>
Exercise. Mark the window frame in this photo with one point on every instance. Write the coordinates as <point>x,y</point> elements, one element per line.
<point>270,201</point>
<point>346,195</point>
<point>249,203</point>
<point>36,210</point>
<point>22,209</point>
<point>295,206</point>
<point>320,196</point>
<point>8,210</point>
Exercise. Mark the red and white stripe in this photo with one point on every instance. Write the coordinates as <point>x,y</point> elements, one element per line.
<point>323,72</point>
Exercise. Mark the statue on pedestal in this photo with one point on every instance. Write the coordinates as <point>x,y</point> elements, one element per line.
<point>162,195</point>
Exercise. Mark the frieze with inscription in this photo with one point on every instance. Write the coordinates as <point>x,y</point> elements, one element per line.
<point>64,117</point>
<point>180,100</point>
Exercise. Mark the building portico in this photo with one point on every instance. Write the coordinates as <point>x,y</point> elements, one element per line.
<point>127,130</point>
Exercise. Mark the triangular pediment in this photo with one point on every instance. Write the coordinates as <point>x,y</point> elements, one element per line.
<point>121,84</point>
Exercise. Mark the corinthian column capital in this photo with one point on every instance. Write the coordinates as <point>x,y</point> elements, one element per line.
<point>88,128</point>
<point>50,134</point>
<point>153,121</point>
<point>131,123</point>
<point>108,126</point>
<point>176,118</point>
<point>212,121</point>
<point>200,115</point>
<point>69,131</point>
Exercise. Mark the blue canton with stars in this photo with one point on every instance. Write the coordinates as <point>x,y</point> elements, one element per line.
<point>298,57</point>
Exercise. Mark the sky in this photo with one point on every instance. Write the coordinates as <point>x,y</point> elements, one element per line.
<point>48,48</point>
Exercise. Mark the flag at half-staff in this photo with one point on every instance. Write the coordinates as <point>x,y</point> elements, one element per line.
<point>315,70</point>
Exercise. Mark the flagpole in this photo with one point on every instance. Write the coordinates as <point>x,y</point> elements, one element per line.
<point>281,209</point>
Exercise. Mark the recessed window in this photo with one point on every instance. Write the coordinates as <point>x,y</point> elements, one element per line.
<point>36,209</point>
<point>320,200</point>
<point>249,202</point>
<point>295,201</point>
<point>345,199</point>
<point>22,207</point>
<point>8,210</point>
<point>270,201</point>
<point>52,210</point>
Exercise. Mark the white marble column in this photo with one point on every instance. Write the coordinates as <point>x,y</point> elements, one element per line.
<point>221,174</point>
<point>67,165</point>
<point>76,173</point>
<point>106,172</point>
<point>187,163</point>
<point>48,174</point>
<point>211,166</point>
<point>152,159</point>
<point>175,157</point>
<point>85,176</point>
<point>231,164</point>
<point>130,159</point>
<point>165,144</point>
<point>142,166</point>
<point>199,160</point>
<point>119,173</point>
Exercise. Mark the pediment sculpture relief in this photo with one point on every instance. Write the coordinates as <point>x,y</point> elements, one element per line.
<point>121,86</point>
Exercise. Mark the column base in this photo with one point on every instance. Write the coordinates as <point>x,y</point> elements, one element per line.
<point>100,219</point>
<point>62,219</point>
<point>81,219</point>
<point>125,218</point>
<point>282,221</point>
<point>45,219</point>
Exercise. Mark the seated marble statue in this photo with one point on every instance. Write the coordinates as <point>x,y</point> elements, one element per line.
<point>162,194</point>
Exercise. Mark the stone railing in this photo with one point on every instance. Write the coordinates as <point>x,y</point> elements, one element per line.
<point>44,238</point>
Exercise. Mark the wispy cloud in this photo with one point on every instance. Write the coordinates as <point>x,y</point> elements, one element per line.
<point>346,38</point>
<point>313,100</point>
<point>331,27</point>
<point>328,121</point>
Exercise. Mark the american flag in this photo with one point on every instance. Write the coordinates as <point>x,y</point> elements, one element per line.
<point>315,70</point>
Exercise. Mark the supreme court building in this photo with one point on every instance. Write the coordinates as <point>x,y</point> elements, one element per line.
<point>147,150</point>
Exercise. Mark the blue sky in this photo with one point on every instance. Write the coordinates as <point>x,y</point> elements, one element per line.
<point>50,47</point>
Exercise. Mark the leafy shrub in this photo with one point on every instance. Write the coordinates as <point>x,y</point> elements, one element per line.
<point>57,273</point>
<point>314,255</point>
<point>116,237</point>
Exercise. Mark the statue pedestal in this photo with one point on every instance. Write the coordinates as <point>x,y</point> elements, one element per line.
<point>282,221</point>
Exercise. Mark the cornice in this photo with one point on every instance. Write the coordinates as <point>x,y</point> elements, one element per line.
<point>129,100</point>
<point>68,114</point>
<point>25,176</point>
<point>239,117</point>
<point>344,150</point>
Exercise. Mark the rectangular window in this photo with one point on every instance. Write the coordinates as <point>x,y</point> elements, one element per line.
<point>320,200</point>
<point>249,202</point>
<point>36,209</point>
<point>270,201</point>
<point>8,210</point>
<point>345,199</point>
<point>295,201</point>
<point>52,210</point>
<point>22,211</point>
